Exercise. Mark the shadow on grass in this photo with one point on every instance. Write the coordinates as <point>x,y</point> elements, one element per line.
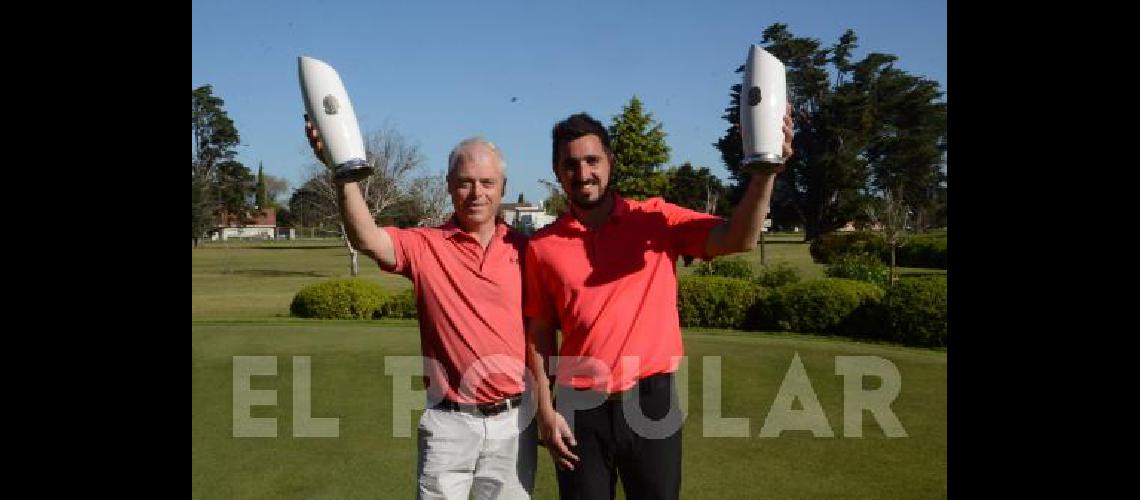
<point>271,273</point>
<point>923,272</point>
<point>315,247</point>
<point>270,247</point>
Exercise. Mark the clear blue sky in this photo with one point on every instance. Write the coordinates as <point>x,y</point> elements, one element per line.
<point>440,71</point>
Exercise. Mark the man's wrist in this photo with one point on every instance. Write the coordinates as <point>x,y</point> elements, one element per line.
<point>762,177</point>
<point>546,410</point>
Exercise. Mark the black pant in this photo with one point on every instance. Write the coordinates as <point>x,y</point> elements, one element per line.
<point>644,450</point>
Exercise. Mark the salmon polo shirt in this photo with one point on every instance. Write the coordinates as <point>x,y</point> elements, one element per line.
<point>613,290</point>
<point>470,309</point>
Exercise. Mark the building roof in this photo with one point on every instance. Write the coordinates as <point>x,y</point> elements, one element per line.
<point>520,207</point>
<point>264,217</point>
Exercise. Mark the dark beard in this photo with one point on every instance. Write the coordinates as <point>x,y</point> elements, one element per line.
<point>590,205</point>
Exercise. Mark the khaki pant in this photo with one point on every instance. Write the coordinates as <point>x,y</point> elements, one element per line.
<point>461,454</point>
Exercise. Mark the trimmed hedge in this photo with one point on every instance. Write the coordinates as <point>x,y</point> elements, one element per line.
<point>778,275</point>
<point>859,267</point>
<point>922,251</point>
<point>914,311</point>
<point>825,248</point>
<point>338,299</point>
<point>715,301</point>
<point>927,250</point>
<point>400,305</point>
<point>829,306</point>
<point>727,267</point>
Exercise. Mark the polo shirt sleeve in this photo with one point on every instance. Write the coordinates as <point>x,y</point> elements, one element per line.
<point>406,245</point>
<point>536,301</point>
<point>689,229</point>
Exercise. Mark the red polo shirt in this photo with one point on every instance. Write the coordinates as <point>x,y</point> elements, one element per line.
<point>614,290</point>
<point>470,309</point>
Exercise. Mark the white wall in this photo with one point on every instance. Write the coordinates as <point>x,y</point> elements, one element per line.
<point>266,232</point>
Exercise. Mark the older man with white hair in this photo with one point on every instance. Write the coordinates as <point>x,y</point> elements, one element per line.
<point>473,439</point>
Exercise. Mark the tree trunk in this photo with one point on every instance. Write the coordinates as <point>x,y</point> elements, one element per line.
<point>762,261</point>
<point>810,232</point>
<point>352,253</point>
<point>225,253</point>
<point>892,277</point>
<point>815,229</point>
<point>921,221</point>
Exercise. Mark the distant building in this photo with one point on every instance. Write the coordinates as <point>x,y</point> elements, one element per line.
<point>260,224</point>
<point>850,226</point>
<point>529,217</point>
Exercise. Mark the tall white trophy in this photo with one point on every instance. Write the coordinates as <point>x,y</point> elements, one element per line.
<point>763,104</point>
<point>330,110</point>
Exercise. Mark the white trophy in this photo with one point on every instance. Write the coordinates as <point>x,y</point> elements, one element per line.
<point>328,107</point>
<point>763,104</point>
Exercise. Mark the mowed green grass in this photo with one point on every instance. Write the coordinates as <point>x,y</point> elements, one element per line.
<point>258,280</point>
<point>782,247</point>
<point>240,307</point>
<point>790,248</point>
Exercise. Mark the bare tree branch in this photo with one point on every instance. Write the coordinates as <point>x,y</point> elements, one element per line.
<point>393,159</point>
<point>431,199</point>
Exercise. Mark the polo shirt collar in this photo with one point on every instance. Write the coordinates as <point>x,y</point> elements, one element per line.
<point>620,209</point>
<point>451,228</point>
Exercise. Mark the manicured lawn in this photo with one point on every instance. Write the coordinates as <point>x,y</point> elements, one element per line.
<point>367,461</point>
<point>240,300</point>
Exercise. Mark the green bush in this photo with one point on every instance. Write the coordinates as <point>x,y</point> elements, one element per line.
<point>715,301</point>
<point>778,275</point>
<point>338,299</point>
<point>860,267</point>
<point>913,311</point>
<point>830,306</point>
<point>400,305</point>
<point>726,267</point>
<point>922,251</point>
<point>826,248</point>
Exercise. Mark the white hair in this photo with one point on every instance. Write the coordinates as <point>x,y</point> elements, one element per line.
<point>460,154</point>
